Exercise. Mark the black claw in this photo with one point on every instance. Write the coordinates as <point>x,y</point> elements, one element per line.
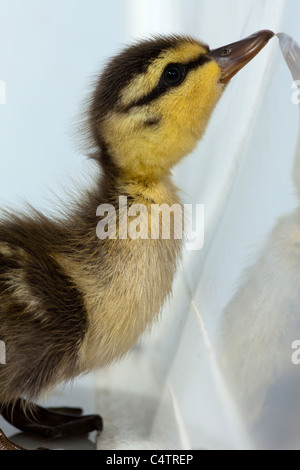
<point>98,423</point>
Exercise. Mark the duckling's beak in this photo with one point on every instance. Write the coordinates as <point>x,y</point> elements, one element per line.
<point>234,57</point>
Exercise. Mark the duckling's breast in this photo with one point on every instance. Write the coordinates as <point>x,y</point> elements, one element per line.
<point>124,297</point>
<point>124,285</point>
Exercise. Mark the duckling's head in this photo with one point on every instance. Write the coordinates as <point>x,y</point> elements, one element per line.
<point>154,100</point>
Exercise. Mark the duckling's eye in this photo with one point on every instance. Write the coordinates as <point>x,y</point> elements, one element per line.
<point>174,75</point>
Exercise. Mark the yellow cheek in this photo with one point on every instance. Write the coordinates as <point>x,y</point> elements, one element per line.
<point>190,106</point>
<point>136,149</point>
<point>184,113</point>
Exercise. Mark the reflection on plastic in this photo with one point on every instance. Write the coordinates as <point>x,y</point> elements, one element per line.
<point>291,52</point>
<point>262,322</point>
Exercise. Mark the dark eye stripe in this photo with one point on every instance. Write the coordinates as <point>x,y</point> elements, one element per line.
<point>162,88</point>
<point>194,64</point>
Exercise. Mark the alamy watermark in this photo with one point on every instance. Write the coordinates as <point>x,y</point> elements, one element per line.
<point>2,353</point>
<point>296,353</point>
<point>2,92</point>
<point>296,94</point>
<point>139,221</point>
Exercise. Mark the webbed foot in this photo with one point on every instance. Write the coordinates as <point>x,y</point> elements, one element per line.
<point>50,422</point>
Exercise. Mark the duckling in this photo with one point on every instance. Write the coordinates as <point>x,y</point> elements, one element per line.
<point>71,302</point>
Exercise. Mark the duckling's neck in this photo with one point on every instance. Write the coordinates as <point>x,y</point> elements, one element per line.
<point>149,190</point>
<point>151,183</point>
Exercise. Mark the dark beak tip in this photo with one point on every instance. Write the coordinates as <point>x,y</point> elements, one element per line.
<point>260,39</point>
<point>235,56</point>
<point>266,34</point>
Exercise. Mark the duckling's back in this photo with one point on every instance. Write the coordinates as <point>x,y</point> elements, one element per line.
<point>42,315</point>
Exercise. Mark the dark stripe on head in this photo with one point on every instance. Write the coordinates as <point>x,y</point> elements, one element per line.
<point>162,87</point>
<point>123,68</point>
